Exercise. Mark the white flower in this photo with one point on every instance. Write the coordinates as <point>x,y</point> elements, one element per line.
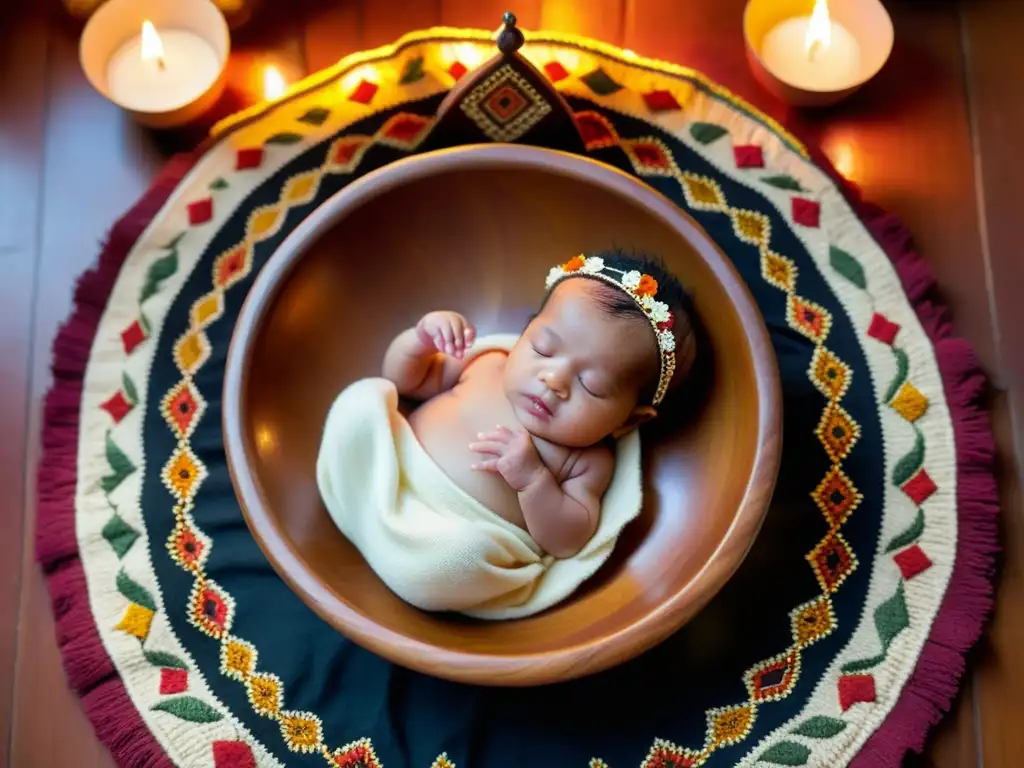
<point>667,341</point>
<point>592,265</point>
<point>631,280</point>
<point>646,302</point>
<point>553,275</point>
<point>659,312</point>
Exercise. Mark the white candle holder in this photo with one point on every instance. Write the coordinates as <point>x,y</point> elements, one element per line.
<point>191,74</point>
<point>870,35</point>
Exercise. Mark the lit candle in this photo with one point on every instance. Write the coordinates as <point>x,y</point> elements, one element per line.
<point>813,52</point>
<point>274,85</point>
<point>160,71</point>
<point>162,60</point>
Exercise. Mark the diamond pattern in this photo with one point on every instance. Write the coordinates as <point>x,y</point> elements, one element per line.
<point>237,659</point>
<point>702,193</point>
<point>358,754</point>
<point>600,82</point>
<point>302,731</point>
<point>748,156</point>
<point>912,561</point>
<point>207,309</point>
<point>191,351</point>
<point>856,689</point>
<point>665,754</point>
<point>661,101</point>
<point>301,188</point>
<point>649,156</point>
<point>555,71</point>
<point>404,131</point>
<point>751,227</point>
<point>211,609</point>
<point>117,406</point>
<point>183,474</point>
<point>808,318</point>
<point>806,212</point>
<point>188,546</point>
<point>909,402</point>
<point>347,152</point>
<point>505,106</point>
<point>830,374</point>
<point>883,329</point>
<point>836,497</point>
<point>812,621</point>
<point>596,131</point>
<point>231,266</point>
<point>173,681</point>
<point>233,754</point>
<point>265,693</point>
<point>773,679</point>
<point>779,271</point>
<point>837,432</point>
<point>132,336</point>
<point>919,487</point>
<point>248,157</point>
<point>364,92</point>
<point>201,211</point>
<point>832,561</point>
<point>457,70</point>
<point>182,408</point>
<point>730,725</point>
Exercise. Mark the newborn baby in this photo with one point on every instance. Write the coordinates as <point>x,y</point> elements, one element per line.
<point>510,481</point>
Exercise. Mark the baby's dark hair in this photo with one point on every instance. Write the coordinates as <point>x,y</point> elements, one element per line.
<point>690,344</point>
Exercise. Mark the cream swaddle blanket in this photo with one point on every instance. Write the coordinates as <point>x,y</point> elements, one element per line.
<point>432,543</point>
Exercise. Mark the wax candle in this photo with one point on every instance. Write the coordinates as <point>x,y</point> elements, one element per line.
<point>813,52</point>
<point>157,71</point>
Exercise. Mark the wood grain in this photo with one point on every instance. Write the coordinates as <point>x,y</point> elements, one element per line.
<point>23,53</point>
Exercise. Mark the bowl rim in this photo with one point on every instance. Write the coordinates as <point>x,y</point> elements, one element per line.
<point>548,666</point>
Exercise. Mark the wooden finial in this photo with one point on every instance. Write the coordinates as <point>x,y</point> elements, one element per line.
<point>510,38</point>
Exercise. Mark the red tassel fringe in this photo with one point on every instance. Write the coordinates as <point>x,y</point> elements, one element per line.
<point>91,673</point>
<point>925,699</point>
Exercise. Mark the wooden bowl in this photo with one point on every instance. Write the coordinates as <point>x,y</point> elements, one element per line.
<point>476,229</point>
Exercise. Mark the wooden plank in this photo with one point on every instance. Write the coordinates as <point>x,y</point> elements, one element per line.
<point>331,31</point>
<point>600,19</point>
<point>23,94</point>
<point>86,139</point>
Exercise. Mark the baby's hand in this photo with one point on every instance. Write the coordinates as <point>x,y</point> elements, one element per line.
<point>448,332</point>
<point>511,453</point>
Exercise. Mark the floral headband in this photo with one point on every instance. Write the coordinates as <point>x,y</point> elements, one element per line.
<point>642,288</point>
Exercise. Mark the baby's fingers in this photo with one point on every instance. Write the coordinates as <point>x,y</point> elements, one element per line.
<point>492,447</point>
<point>487,465</point>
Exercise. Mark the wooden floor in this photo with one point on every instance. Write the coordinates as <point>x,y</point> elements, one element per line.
<point>936,139</point>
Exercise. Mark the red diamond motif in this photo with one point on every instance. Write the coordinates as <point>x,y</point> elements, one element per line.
<point>233,754</point>
<point>919,487</point>
<point>173,681</point>
<point>347,150</point>
<point>200,212</point>
<point>806,212</point>
<point>405,128</point>
<point>182,409</point>
<point>132,336</point>
<point>364,92</point>
<point>117,406</point>
<point>883,329</point>
<point>660,101</point>
<point>457,70</point>
<point>650,156</point>
<point>912,562</point>
<point>856,689</point>
<point>230,265</point>
<point>249,157</point>
<point>555,71</point>
<point>748,156</point>
<point>596,131</point>
<point>832,562</point>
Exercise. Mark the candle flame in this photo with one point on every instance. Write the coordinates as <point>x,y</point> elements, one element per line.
<point>819,30</point>
<point>274,85</point>
<point>152,45</point>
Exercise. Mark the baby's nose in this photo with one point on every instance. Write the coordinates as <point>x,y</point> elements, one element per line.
<point>554,382</point>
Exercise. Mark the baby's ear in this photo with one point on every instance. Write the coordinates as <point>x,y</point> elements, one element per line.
<point>640,415</point>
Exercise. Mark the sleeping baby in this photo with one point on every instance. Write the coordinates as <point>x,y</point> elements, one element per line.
<point>510,482</point>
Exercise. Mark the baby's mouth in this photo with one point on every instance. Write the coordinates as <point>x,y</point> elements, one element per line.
<point>538,407</point>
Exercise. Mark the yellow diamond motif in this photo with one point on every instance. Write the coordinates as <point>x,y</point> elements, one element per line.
<point>779,271</point>
<point>730,724</point>
<point>302,731</point>
<point>702,193</point>
<point>191,351</point>
<point>262,222</point>
<point>207,309</point>
<point>136,621</point>
<point>812,621</point>
<point>183,474</point>
<point>751,227</point>
<point>830,374</point>
<point>237,659</point>
<point>909,402</point>
<point>301,188</point>
<point>265,693</point>
<point>838,432</point>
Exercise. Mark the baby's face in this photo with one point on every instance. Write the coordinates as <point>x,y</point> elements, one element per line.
<point>575,375</point>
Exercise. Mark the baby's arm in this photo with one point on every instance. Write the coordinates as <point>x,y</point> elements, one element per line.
<point>427,359</point>
<point>561,517</point>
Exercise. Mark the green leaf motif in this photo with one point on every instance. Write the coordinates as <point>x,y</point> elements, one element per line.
<point>158,271</point>
<point>316,116</point>
<point>908,536</point>
<point>784,181</point>
<point>861,665</point>
<point>134,591</point>
<point>189,708</point>
<point>130,391</point>
<point>786,753</point>
<point>820,727</point>
<point>705,133</point>
<point>119,535</point>
<point>161,659</point>
<point>909,464</point>
<point>412,72</point>
<point>847,266</point>
<point>285,138</point>
<point>120,466</point>
<point>219,183</point>
<point>144,322</point>
<point>902,368</point>
<point>891,618</point>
